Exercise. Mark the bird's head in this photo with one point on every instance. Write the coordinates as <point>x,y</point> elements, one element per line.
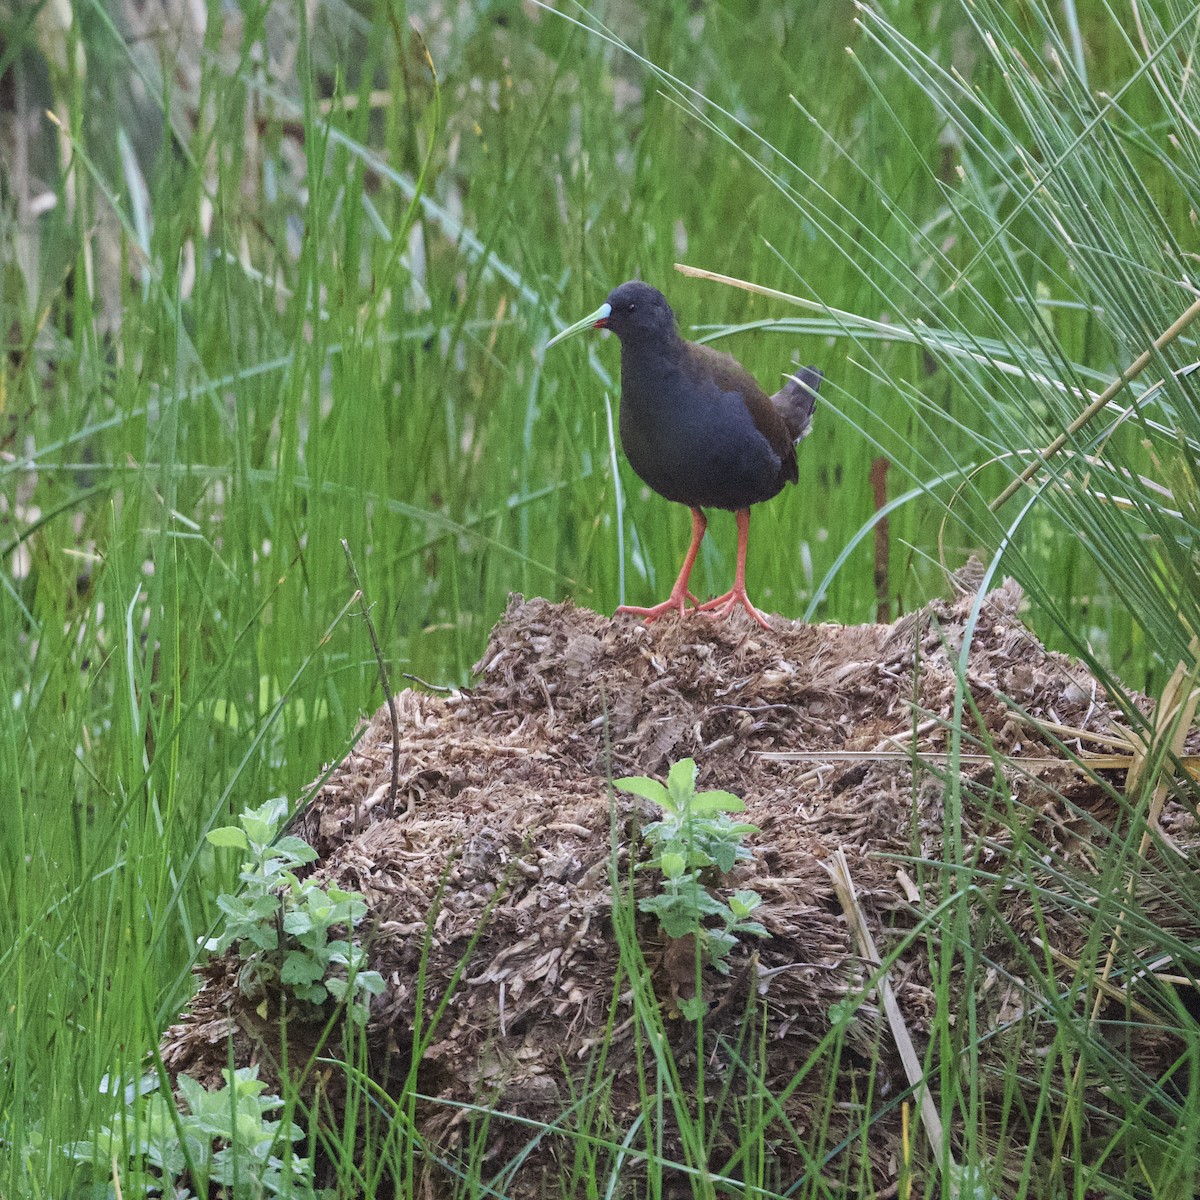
<point>635,312</point>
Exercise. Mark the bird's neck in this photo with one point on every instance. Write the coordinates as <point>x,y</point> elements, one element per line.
<point>650,358</point>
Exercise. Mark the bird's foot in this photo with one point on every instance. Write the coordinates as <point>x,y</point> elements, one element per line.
<point>724,606</point>
<point>675,602</point>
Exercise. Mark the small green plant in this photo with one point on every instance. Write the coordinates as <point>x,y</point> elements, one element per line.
<point>694,844</point>
<point>227,1142</point>
<point>306,960</point>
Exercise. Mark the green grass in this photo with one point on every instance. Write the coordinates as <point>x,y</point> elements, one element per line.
<point>282,315</point>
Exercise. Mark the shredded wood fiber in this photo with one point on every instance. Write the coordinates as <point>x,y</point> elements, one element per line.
<point>505,828</point>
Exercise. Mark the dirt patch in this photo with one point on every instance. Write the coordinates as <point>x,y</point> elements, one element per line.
<point>505,831</point>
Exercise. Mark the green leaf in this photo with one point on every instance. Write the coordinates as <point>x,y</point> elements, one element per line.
<point>370,981</point>
<point>314,993</point>
<point>693,1008</point>
<point>677,918</point>
<point>648,789</point>
<point>724,855</point>
<point>296,849</point>
<point>704,803</point>
<point>739,829</point>
<point>678,922</point>
<point>672,865</point>
<point>709,906</point>
<point>230,836</point>
<point>300,969</point>
<point>265,907</point>
<point>265,937</point>
<point>193,1093</point>
<point>297,923</point>
<point>341,951</point>
<point>260,823</point>
<point>668,841</point>
<point>752,927</point>
<point>718,943</point>
<point>744,902</point>
<point>681,782</point>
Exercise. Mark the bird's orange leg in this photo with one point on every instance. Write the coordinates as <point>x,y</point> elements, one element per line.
<point>677,600</point>
<point>723,606</point>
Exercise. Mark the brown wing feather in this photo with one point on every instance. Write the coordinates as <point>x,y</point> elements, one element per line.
<point>731,376</point>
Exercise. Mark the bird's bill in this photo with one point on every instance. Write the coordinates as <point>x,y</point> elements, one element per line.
<point>596,320</point>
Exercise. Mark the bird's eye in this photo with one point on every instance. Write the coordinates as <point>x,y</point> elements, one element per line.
<point>632,307</point>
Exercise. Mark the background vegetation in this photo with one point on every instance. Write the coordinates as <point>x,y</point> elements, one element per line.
<point>281,277</point>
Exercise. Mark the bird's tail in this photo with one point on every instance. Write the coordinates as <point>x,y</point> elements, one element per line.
<point>796,400</point>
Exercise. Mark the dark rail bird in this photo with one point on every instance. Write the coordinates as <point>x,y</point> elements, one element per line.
<point>698,429</point>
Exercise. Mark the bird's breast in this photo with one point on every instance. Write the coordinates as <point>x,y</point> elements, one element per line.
<point>692,442</point>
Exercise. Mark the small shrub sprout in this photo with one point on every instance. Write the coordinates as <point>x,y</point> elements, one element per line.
<point>228,1143</point>
<point>694,844</point>
<point>307,961</point>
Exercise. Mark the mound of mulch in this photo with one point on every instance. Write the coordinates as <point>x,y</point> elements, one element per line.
<point>505,828</point>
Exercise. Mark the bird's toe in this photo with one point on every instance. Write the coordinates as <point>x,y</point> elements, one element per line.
<point>728,604</point>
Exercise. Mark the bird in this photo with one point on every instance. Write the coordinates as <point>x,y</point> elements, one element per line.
<point>697,429</point>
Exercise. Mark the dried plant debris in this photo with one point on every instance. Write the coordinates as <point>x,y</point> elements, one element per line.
<point>494,874</point>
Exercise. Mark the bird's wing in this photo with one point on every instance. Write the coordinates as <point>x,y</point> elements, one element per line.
<point>733,379</point>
